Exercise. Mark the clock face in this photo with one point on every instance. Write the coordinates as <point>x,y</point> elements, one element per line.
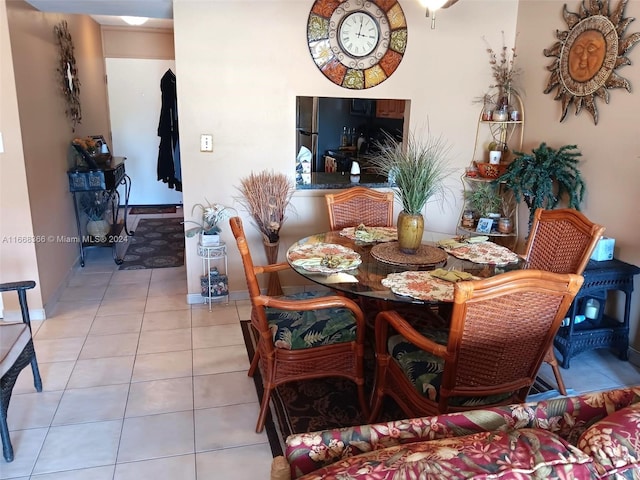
<point>357,44</point>
<point>358,34</point>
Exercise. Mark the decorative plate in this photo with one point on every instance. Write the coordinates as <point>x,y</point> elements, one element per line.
<point>371,234</point>
<point>323,257</point>
<point>357,44</point>
<point>419,285</point>
<point>484,252</point>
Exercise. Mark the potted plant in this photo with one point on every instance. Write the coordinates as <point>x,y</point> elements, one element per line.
<point>417,173</point>
<point>208,228</point>
<point>95,206</point>
<point>545,177</point>
<point>266,196</point>
<point>484,199</point>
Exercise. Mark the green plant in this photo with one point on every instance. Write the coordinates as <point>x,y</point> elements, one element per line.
<point>418,171</point>
<point>266,196</point>
<point>484,199</point>
<point>545,177</point>
<point>212,214</point>
<point>94,204</point>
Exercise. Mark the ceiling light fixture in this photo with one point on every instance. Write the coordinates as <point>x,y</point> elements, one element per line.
<point>433,5</point>
<point>135,20</point>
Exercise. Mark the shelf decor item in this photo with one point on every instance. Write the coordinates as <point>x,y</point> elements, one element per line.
<point>208,228</point>
<point>419,171</point>
<point>266,196</point>
<point>545,177</point>
<point>504,75</point>
<point>95,205</point>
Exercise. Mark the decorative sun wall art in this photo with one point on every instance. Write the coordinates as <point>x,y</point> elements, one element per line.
<point>587,55</point>
<point>68,74</point>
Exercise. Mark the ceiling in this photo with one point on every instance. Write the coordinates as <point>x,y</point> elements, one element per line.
<point>107,12</point>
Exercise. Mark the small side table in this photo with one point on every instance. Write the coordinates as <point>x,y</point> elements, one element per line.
<point>598,330</point>
<point>214,283</point>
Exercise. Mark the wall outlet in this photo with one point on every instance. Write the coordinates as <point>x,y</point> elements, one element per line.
<point>206,143</point>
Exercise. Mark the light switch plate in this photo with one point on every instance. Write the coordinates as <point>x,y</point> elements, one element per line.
<point>1,144</point>
<point>206,143</point>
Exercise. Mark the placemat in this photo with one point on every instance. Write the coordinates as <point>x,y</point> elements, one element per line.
<point>485,252</point>
<point>370,234</point>
<point>419,285</point>
<point>323,257</point>
<point>425,256</point>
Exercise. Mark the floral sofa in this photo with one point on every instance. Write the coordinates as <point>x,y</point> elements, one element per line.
<point>595,435</point>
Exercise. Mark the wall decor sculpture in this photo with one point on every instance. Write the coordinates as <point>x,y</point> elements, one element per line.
<point>587,55</point>
<point>68,74</point>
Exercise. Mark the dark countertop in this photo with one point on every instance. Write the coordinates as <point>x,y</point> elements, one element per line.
<point>322,180</point>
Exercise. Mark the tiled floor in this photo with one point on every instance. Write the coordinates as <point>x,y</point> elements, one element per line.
<point>138,384</point>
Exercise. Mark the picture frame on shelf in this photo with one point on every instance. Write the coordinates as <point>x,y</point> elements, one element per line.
<point>484,225</point>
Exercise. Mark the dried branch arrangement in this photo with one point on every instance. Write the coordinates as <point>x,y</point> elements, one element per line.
<point>266,196</point>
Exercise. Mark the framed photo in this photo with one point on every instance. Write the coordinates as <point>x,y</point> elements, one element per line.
<point>484,225</point>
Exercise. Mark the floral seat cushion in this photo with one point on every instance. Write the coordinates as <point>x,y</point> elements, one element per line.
<point>614,443</point>
<point>424,370</point>
<point>513,455</point>
<point>295,330</point>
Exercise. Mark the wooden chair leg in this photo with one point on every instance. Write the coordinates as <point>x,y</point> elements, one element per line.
<point>254,364</point>
<point>551,359</point>
<point>264,409</point>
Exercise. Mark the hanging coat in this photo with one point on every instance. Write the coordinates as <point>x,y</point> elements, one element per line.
<point>168,132</point>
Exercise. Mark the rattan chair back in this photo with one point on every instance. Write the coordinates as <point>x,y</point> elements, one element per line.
<point>501,329</point>
<point>561,241</point>
<point>360,205</point>
<point>281,365</point>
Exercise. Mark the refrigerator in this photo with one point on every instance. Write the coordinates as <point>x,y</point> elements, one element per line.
<point>307,127</point>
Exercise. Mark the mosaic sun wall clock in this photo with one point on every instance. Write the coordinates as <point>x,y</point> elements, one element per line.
<point>588,54</point>
<point>357,44</point>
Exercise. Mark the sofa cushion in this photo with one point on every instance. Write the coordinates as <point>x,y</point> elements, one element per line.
<point>514,454</point>
<point>614,443</point>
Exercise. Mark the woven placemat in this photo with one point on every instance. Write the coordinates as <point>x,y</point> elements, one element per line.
<point>425,256</point>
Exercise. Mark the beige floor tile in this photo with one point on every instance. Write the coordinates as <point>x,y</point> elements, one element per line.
<point>95,372</point>
<point>170,320</point>
<point>158,341</point>
<point>64,328</point>
<point>99,346</point>
<point>32,410</point>
<point>167,302</point>
<point>70,447</point>
<point>168,287</point>
<point>127,290</point>
<point>233,461</point>
<point>244,309</point>
<point>217,336</point>
<point>26,447</point>
<point>171,273</point>
<point>74,309</point>
<point>219,315</point>
<point>223,389</point>
<point>89,280</point>
<point>120,306</point>
<point>95,473</point>
<point>181,467</point>
<point>122,277</point>
<point>113,324</point>
<point>160,396</point>
<point>83,292</point>
<point>54,377</point>
<point>235,426</point>
<point>158,366</point>
<point>155,436</point>
<point>92,404</point>
<point>220,359</point>
<point>58,350</point>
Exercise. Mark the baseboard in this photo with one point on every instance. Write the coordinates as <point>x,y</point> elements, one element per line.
<point>634,357</point>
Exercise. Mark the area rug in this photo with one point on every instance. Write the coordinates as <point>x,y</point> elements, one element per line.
<point>156,243</point>
<point>148,210</point>
<point>312,405</point>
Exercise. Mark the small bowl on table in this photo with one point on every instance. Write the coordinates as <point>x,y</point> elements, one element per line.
<point>490,170</point>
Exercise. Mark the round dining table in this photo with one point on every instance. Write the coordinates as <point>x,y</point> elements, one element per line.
<point>365,279</point>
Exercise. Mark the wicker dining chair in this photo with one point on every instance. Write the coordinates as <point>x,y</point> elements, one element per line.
<point>501,328</point>
<point>301,336</point>
<point>357,205</point>
<point>561,241</point>
<point>16,352</point>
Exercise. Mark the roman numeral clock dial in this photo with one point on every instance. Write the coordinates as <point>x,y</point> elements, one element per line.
<point>357,44</point>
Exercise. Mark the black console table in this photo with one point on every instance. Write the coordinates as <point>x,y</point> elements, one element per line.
<point>602,331</point>
<point>104,181</point>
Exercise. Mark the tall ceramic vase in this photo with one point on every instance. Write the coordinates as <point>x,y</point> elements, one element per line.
<point>273,288</point>
<point>410,230</point>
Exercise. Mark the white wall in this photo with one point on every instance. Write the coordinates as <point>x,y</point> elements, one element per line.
<point>134,104</point>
